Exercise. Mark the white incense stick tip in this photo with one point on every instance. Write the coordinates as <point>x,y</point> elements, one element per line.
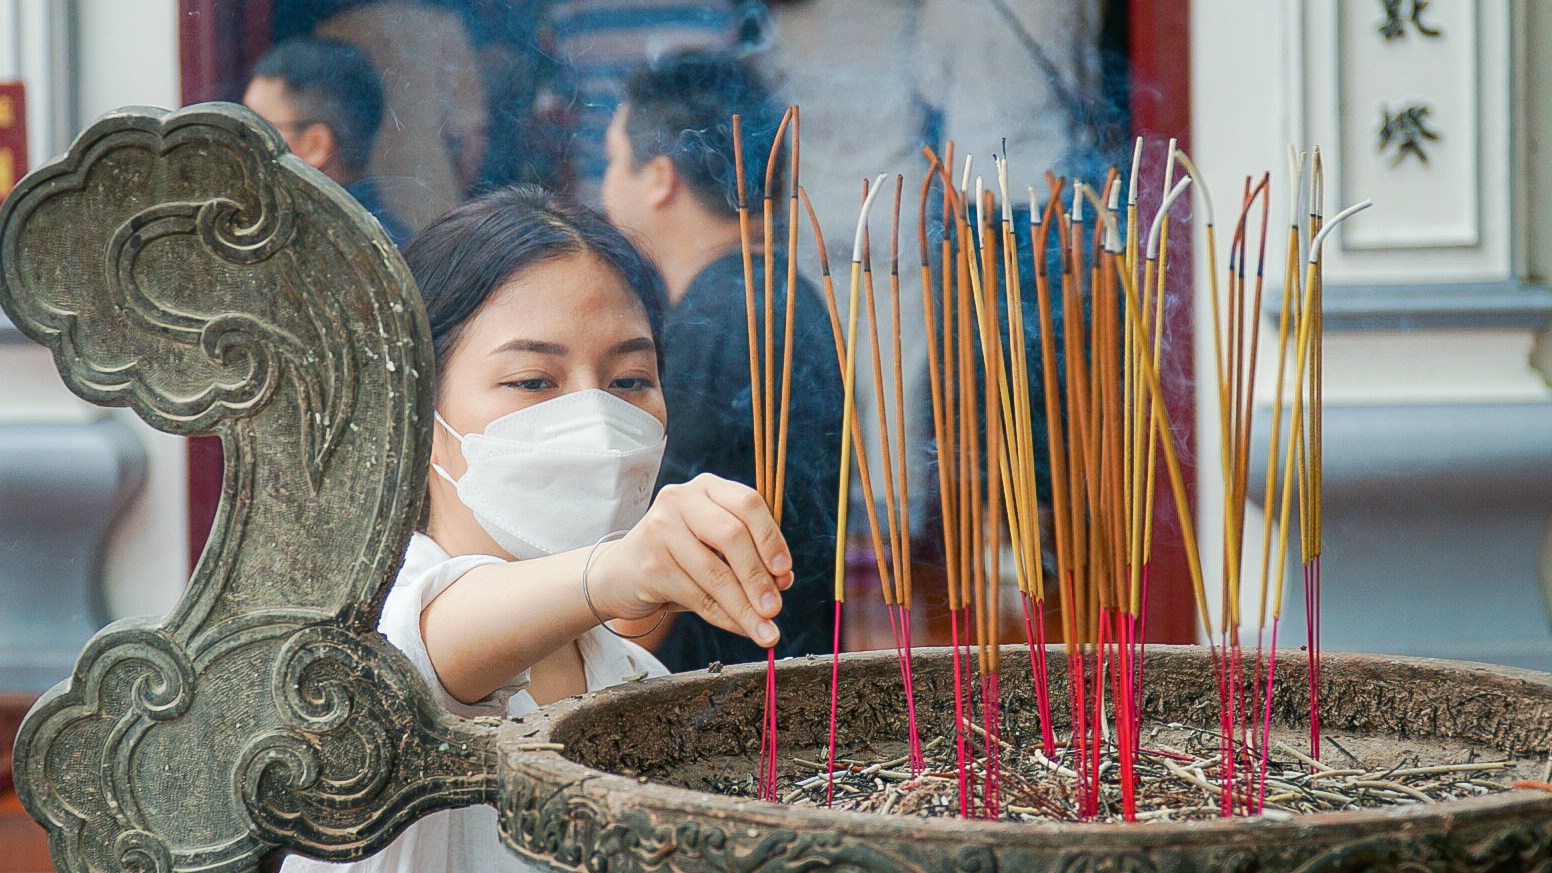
<point>1169,164</point>
<point>980,207</point>
<point>1107,217</point>
<point>1156,230</point>
<point>1320,236</point>
<point>964,178</point>
<point>862,217</point>
<point>1317,195</point>
<point>1077,201</point>
<point>1114,201</point>
<point>1131,194</point>
<point>1295,183</point>
<point>1002,187</point>
<point>1032,221</point>
<point>1201,187</point>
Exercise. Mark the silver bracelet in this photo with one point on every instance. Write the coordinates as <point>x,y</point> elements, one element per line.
<point>586,595</point>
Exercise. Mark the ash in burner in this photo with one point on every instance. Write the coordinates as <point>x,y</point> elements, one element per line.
<point>1180,776</point>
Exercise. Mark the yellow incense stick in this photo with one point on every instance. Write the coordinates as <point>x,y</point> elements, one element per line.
<point>903,510</point>
<point>840,362</point>
<point>1304,346</point>
<point>849,396</point>
<point>1291,290</point>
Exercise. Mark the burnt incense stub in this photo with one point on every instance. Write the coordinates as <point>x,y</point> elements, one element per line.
<point>186,266</point>
<point>629,791</point>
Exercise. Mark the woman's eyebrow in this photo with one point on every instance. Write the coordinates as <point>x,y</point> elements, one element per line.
<point>632,346</point>
<point>541,347</point>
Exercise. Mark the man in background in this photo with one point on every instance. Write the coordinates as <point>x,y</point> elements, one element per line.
<point>325,99</point>
<point>670,183</point>
<point>600,42</point>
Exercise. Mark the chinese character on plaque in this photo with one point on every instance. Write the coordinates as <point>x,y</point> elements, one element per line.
<point>1406,132</point>
<point>1399,12</point>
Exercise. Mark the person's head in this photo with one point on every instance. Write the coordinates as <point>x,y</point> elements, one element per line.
<point>325,97</point>
<point>531,298</point>
<point>674,127</point>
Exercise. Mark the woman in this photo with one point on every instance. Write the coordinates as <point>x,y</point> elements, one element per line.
<point>549,427</point>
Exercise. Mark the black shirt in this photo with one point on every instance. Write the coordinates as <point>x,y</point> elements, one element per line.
<point>711,429</point>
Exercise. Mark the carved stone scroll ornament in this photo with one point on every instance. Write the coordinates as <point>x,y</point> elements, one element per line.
<point>186,266</point>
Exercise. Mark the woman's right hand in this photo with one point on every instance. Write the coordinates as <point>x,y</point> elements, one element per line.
<point>709,546</point>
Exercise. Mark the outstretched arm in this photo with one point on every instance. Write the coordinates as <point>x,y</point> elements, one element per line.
<point>708,546</point>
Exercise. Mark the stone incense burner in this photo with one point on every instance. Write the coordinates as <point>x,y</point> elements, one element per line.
<point>571,808</point>
<point>185,266</point>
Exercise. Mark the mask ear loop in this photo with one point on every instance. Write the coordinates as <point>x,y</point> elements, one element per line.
<point>435,467</point>
<point>586,595</point>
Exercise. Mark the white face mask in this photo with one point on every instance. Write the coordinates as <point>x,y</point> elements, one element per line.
<point>561,474</point>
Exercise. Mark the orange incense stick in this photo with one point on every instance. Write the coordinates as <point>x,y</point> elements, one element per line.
<point>767,230</point>
<point>1061,500</point>
<point>790,313</point>
<point>756,403</point>
<point>886,451</point>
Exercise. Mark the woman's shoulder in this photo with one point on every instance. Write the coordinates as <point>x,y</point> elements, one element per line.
<point>421,554</point>
<point>428,567</point>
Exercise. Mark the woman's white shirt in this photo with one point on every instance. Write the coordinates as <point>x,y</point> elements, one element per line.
<point>463,840</point>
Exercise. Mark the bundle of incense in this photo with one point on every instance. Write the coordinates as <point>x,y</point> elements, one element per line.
<point>1108,438</point>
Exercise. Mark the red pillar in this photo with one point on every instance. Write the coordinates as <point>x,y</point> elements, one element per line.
<point>1160,50</point>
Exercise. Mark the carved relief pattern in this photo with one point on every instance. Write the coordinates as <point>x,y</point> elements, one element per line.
<point>185,266</point>
<point>568,826</point>
<point>1521,845</point>
<point>569,829</point>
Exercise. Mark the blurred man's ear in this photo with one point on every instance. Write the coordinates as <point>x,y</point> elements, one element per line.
<point>316,145</point>
<point>661,184</point>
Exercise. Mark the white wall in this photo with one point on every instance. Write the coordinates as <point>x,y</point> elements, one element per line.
<point>128,54</point>
<point>125,52</point>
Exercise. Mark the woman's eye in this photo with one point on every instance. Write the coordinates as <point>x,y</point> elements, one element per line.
<point>534,384</point>
<point>632,383</point>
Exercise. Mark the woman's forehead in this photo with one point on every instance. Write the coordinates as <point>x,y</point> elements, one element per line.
<point>576,300</point>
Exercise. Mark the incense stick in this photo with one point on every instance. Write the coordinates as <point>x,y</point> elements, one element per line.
<point>848,414</point>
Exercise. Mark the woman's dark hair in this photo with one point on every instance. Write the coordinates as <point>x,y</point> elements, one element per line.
<point>460,259</point>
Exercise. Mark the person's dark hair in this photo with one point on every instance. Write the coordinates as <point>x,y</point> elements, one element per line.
<point>334,83</point>
<point>460,259</point>
<point>682,106</point>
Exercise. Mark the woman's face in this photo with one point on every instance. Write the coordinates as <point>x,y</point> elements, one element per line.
<point>565,324</point>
